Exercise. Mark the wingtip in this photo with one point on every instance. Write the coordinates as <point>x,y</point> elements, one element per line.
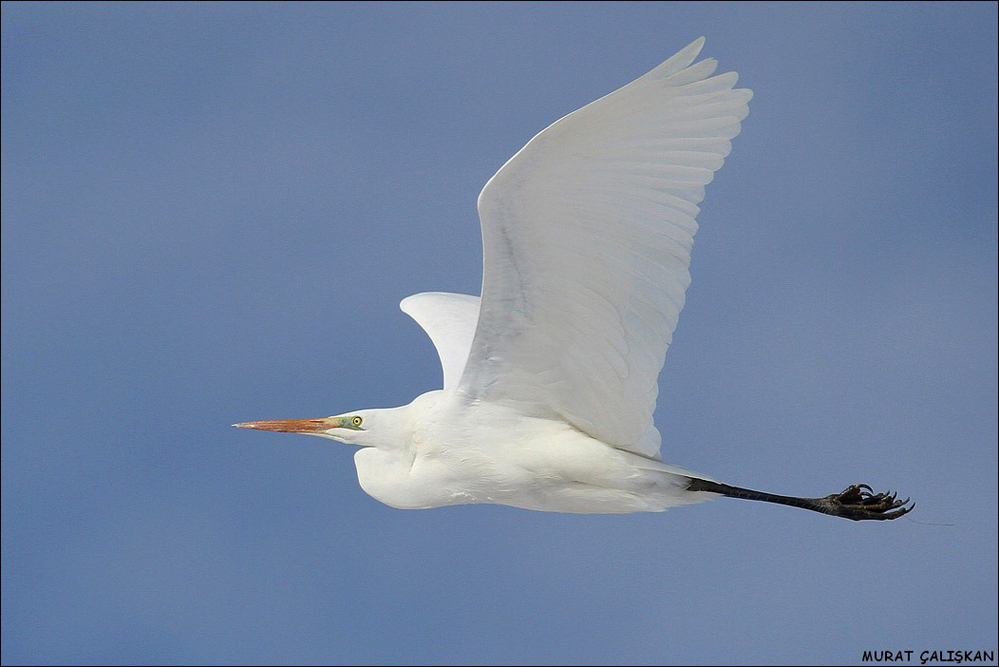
<point>679,60</point>
<point>693,49</point>
<point>406,305</point>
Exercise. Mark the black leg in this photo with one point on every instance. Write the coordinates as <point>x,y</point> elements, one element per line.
<point>857,502</point>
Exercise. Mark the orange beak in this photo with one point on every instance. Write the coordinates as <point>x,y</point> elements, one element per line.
<point>292,425</point>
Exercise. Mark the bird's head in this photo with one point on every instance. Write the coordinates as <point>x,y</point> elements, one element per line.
<point>354,428</point>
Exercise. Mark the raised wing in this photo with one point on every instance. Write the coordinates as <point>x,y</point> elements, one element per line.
<point>586,235</point>
<point>449,319</point>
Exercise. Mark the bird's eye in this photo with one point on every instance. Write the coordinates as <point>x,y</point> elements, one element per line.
<point>355,421</point>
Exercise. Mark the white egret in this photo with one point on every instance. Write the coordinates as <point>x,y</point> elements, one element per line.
<point>550,377</point>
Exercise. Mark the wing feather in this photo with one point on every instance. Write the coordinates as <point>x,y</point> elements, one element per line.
<point>449,319</point>
<point>587,233</point>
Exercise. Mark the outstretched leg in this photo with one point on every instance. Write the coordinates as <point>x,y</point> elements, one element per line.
<point>857,502</point>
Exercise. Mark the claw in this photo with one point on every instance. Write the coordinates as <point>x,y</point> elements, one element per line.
<point>900,511</point>
<point>860,502</point>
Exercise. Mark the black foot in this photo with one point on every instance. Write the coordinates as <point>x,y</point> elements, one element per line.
<point>859,502</point>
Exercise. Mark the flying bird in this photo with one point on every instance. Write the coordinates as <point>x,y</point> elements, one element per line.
<point>551,375</point>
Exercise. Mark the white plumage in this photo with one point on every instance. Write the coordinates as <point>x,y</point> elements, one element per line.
<point>550,379</point>
<point>587,234</point>
<point>449,320</point>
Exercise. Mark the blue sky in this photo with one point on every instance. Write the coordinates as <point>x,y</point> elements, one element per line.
<point>210,213</point>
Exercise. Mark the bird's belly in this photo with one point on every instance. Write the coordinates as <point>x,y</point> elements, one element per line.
<point>509,459</point>
<point>579,497</point>
<point>557,474</point>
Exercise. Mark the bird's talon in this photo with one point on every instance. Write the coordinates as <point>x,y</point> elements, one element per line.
<point>859,502</point>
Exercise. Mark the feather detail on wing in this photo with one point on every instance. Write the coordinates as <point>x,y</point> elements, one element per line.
<point>587,233</point>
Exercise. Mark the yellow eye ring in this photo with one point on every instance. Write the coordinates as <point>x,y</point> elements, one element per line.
<point>355,421</point>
